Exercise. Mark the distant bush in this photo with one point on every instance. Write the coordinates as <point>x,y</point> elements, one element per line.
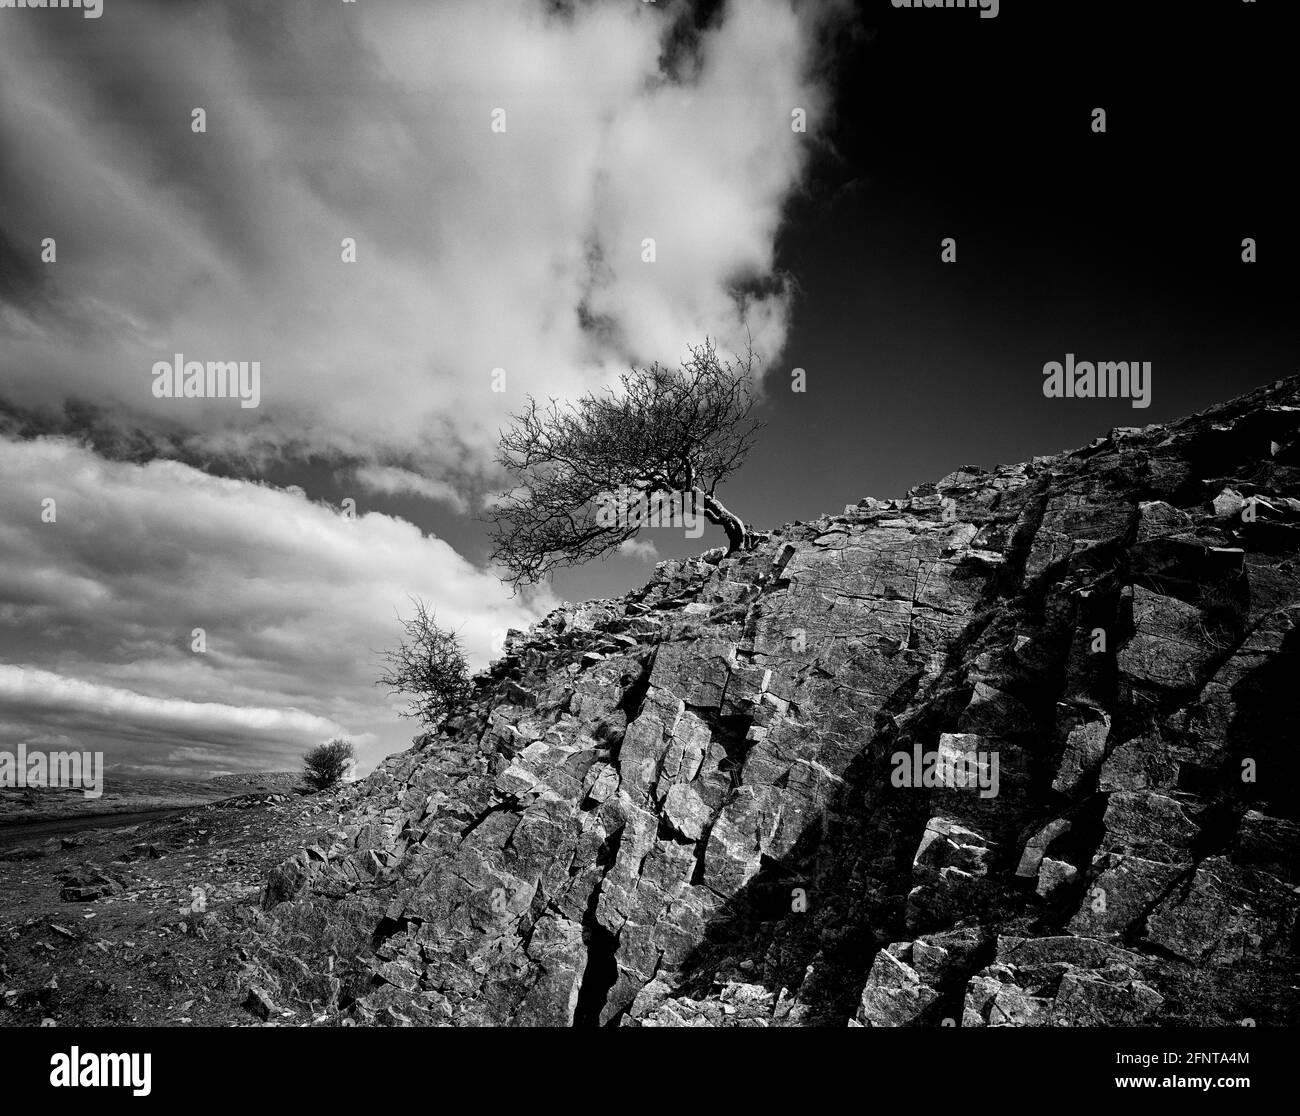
<point>429,668</point>
<point>326,765</point>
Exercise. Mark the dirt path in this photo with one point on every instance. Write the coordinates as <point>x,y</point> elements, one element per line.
<point>18,833</point>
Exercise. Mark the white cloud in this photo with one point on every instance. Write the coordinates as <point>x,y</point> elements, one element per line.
<point>38,690</point>
<point>392,481</point>
<point>474,249</point>
<point>295,600</point>
<point>644,549</point>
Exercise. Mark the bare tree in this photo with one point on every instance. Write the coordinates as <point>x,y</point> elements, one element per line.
<point>663,432</point>
<point>428,666</point>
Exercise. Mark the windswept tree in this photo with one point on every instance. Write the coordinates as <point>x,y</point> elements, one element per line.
<point>428,668</point>
<point>662,432</point>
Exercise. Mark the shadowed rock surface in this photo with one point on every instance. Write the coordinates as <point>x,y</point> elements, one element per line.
<point>681,807</point>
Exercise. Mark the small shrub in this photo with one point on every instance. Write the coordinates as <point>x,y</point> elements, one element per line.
<point>326,765</point>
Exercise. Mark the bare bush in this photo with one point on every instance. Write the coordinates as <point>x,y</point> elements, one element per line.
<point>427,667</point>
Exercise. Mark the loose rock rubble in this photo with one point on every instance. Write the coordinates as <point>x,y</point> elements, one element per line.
<point>147,923</point>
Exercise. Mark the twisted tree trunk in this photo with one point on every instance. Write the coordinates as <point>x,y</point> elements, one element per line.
<point>716,512</point>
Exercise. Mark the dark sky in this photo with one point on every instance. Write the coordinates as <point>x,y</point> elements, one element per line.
<point>924,124</point>
<point>1117,246</point>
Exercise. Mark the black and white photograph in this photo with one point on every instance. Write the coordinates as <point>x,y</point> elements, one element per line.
<point>523,516</point>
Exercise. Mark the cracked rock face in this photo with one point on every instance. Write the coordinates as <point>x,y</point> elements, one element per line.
<point>701,804</point>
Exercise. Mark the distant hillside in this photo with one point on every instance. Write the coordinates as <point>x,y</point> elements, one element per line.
<point>248,782</point>
<point>127,794</point>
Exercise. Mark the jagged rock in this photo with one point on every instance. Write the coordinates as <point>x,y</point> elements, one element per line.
<point>1143,763</point>
<point>1225,911</point>
<point>88,883</point>
<point>1122,890</point>
<point>1168,648</point>
<point>1157,519</point>
<point>994,713</point>
<point>1053,874</point>
<point>940,958</point>
<point>1085,732</point>
<point>895,995</point>
<point>1059,981</point>
<point>678,808</point>
<point>685,810</point>
<point>948,869</point>
<point>286,880</point>
<point>259,1003</point>
<point>1032,858</point>
<point>739,838</point>
<point>1228,504</point>
<point>1149,825</point>
<point>1271,844</point>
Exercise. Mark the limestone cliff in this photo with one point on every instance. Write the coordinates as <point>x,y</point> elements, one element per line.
<point>684,806</point>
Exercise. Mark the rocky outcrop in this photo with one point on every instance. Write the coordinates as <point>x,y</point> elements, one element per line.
<point>1012,750</point>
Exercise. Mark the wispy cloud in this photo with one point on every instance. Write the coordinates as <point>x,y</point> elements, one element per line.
<point>524,250</point>
<point>40,691</point>
<point>99,610</point>
<point>643,549</point>
<point>392,481</point>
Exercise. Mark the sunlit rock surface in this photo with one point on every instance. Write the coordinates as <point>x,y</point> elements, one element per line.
<point>683,807</point>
